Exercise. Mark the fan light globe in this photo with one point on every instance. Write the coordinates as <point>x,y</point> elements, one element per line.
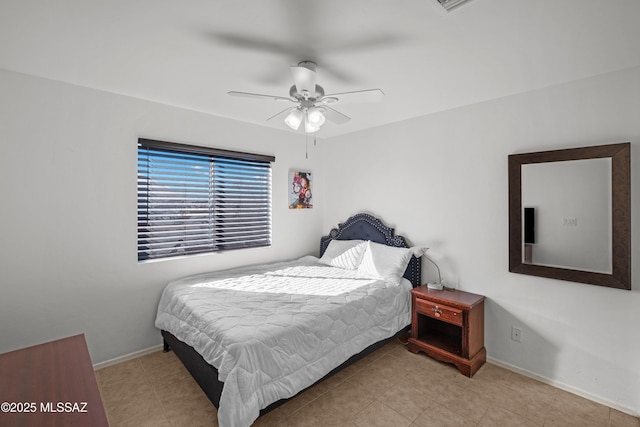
<point>313,120</point>
<point>315,116</point>
<point>311,127</point>
<point>294,119</point>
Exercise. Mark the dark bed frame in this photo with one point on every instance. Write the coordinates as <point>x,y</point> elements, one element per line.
<point>360,226</point>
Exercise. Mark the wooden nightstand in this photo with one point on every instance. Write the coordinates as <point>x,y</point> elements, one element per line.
<point>449,326</point>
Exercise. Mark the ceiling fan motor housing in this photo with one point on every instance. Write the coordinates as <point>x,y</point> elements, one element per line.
<point>319,93</point>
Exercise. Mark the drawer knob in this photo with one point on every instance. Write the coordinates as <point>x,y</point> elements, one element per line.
<point>437,311</point>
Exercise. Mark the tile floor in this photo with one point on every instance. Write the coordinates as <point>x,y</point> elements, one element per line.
<point>391,388</point>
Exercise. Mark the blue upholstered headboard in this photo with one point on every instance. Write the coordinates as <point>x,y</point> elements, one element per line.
<point>367,227</point>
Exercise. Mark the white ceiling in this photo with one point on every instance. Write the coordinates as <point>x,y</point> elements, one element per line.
<point>190,53</point>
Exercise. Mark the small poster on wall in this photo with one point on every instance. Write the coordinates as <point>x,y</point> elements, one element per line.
<point>300,195</point>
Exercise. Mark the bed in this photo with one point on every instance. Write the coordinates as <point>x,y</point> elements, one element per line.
<point>255,336</point>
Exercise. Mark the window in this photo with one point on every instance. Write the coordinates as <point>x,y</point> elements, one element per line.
<point>195,199</point>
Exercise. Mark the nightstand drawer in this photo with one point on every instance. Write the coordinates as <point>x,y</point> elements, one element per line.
<point>439,311</point>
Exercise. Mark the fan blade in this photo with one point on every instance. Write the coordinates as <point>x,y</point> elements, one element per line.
<point>259,96</point>
<point>370,95</point>
<point>282,113</point>
<point>304,79</point>
<point>334,116</point>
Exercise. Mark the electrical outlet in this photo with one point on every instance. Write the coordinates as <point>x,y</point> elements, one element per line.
<point>516,334</point>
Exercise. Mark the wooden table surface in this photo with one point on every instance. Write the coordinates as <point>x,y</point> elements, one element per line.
<point>51,384</point>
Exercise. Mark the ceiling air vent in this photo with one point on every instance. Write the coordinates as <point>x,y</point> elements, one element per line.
<point>451,4</point>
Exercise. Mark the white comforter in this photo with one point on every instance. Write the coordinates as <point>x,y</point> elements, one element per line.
<point>273,330</point>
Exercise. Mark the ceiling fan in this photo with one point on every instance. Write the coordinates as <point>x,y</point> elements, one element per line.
<point>312,103</point>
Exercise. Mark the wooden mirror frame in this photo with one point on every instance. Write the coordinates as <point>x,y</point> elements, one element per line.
<point>620,155</point>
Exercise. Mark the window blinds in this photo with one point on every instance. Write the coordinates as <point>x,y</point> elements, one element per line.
<point>195,199</point>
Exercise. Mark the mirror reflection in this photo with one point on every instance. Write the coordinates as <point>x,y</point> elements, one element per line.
<point>567,214</point>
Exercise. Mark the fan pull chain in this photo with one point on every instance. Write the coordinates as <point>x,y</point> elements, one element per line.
<point>306,141</point>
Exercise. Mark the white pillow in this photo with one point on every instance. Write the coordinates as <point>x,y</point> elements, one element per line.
<point>384,262</point>
<point>345,254</point>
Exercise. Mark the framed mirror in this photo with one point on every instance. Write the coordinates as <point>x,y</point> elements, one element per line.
<point>570,214</point>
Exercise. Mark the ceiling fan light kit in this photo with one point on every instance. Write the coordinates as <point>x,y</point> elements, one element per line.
<point>312,108</point>
<point>312,117</point>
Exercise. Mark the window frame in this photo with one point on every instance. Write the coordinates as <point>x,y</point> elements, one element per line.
<point>221,190</point>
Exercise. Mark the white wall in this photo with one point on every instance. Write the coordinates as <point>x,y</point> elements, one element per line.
<point>68,260</point>
<point>441,180</point>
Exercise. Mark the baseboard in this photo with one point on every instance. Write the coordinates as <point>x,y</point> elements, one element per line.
<point>126,357</point>
<point>565,387</point>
